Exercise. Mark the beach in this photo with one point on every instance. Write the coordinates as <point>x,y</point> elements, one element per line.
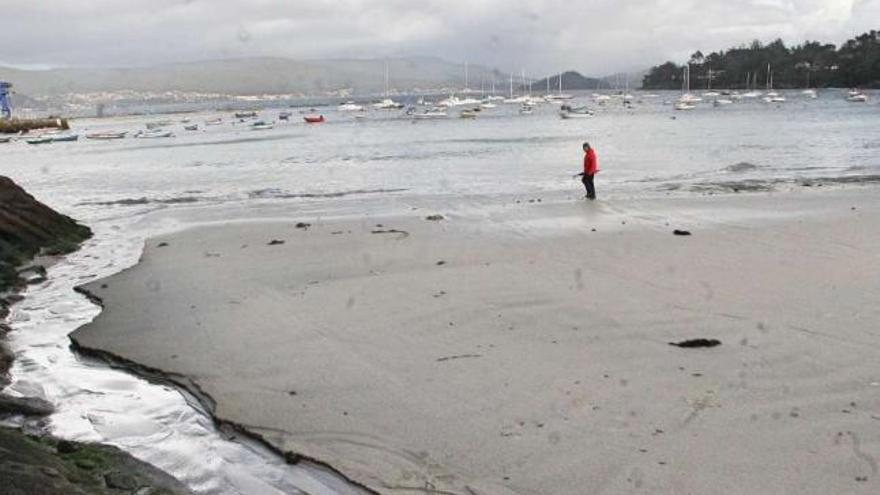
<point>525,349</point>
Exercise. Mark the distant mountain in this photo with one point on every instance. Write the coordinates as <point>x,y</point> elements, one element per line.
<point>571,81</point>
<point>254,76</point>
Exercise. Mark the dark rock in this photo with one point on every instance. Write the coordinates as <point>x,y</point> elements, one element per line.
<point>275,242</point>
<point>681,232</point>
<point>292,458</point>
<point>693,343</point>
<point>47,466</point>
<point>121,481</point>
<point>28,406</point>
<point>66,447</point>
<point>441,263</point>
<point>28,227</point>
<point>303,225</point>
<point>434,217</point>
<point>162,244</point>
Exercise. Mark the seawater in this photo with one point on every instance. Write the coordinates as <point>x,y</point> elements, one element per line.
<point>131,189</point>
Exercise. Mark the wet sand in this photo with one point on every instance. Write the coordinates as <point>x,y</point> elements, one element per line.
<point>521,352</point>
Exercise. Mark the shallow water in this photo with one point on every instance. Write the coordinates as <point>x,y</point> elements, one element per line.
<point>131,189</point>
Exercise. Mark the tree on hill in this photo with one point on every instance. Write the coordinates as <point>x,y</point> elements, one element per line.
<point>812,64</point>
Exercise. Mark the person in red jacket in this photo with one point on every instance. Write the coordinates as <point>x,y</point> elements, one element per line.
<point>590,168</point>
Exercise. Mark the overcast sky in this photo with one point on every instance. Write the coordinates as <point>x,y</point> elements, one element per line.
<point>593,36</point>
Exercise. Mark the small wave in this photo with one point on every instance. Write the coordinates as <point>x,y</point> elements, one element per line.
<point>734,186</point>
<point>273,193</point>
<point>192,144</point>
<point>141,201</point>
<point>740,167</point>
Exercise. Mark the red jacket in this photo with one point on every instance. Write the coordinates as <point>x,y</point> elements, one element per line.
<point>591,166</point>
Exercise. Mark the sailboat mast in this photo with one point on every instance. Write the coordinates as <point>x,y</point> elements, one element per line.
<point>465,76</point>
<point>386,79</point>
<point>511,85</point>
<point>560,83</point>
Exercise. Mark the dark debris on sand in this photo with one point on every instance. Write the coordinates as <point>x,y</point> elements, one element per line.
<point>695,343</point>
<point>275,242</point>
<point>681,232</point>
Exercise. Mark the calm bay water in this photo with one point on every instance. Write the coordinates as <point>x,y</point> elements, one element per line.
<point>348,166</point>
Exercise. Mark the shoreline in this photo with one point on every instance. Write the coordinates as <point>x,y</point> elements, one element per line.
<point>203,401</point>
<point>254,430</point>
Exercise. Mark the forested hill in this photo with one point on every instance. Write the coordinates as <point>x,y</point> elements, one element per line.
<point>571,80</point>
<point>854,64</point>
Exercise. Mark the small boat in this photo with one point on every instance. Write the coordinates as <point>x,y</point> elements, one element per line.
<point>246,115</point>
<point>434,113</point>
<point>810,93</point>
<point>4,139</point>
<point>313,119</point>
<point>468,114</point>
<point>568,112</point>
<point>216,121</point>
<point>387,104</point>
<point>193,127</point>
<point>856,97</point>
<point>720,102</point>
<point>350,106</point>
<point>153,134</point>
<point>684,105</point>
<point>488,105</point>
<point>284,116</point>
<point>105,136</point>
<point>157,125</point>
<point>185,120</point>
<point>260,125</point>
<point>64,138</point>
<point>526,109</point>
<point>39,140</point>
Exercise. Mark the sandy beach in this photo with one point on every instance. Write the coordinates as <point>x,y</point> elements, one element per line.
<point>526,350</point>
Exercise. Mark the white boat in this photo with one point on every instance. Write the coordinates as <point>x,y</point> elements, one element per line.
<point>107,135</point>
<point>856,97</point>
<point>64,138</point>
<point>434,113</point>
<point>350,106</point>
<point>488,105</point>
<point>153,134</point>
<point>216,121</point>
<point>526,109</point>
<point>601,99</point>
<point>387,104</point>
<point>810,93</point>
<point>772,96</point>
<point>751,94</point>
<point>193,127</point>
<point>720,102</point>
<point>711,94</point>
<point>687,99</point>
<point>683,105</point>
<point>262,126</point>
<point>44,139</point>
<point>575,113</point>
<point>468,114</point>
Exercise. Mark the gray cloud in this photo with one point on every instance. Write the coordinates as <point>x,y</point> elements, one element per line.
<point>593,36</point>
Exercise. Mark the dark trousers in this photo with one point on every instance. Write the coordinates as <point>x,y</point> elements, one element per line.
<point>591,188</point>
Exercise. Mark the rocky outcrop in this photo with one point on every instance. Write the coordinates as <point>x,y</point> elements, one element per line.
<point>27,228</point>
<point>31,465</point>
<point>43,464</point>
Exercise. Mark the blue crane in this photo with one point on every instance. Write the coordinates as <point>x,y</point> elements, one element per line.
<point>5,110</point>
